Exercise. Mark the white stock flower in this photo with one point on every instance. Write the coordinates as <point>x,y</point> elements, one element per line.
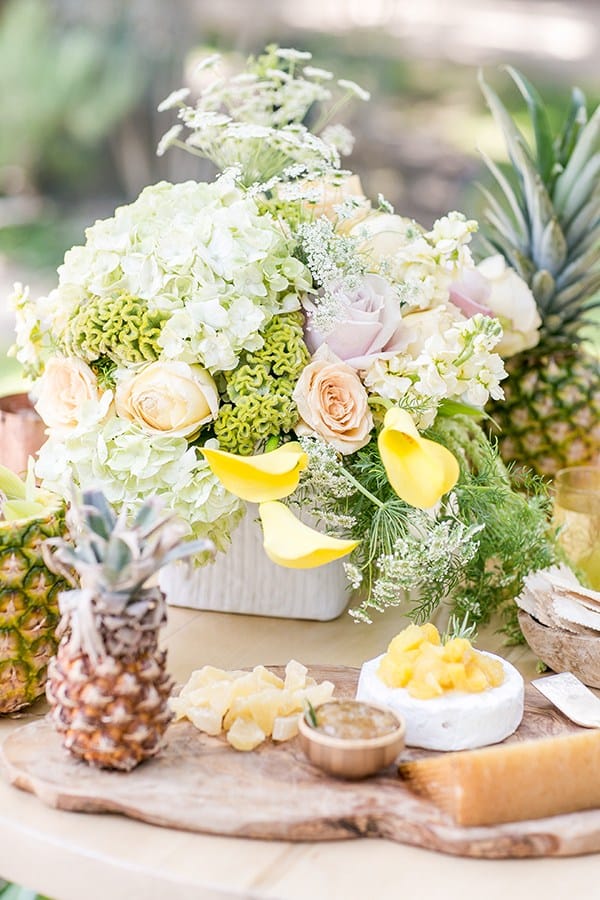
<point>447,357</point>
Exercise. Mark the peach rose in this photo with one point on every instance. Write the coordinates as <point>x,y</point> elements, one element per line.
<point>169,398</point>
<point>66,386</point>
<point>324,197</point>
<point>332,403</point>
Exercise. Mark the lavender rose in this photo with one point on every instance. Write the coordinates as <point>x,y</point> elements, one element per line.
<point>364,323</point>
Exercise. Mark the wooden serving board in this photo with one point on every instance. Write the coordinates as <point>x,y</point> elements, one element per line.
<point>199,783</point>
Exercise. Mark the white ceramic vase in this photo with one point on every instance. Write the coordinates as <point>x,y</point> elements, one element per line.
<point>244,580</point>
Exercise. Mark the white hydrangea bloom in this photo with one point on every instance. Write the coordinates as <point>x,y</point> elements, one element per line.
<point>129,465</point>
<point>201,253</point>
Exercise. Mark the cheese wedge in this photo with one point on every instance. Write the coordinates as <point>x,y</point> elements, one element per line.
<point>457,720</point>
<point>528,780</point>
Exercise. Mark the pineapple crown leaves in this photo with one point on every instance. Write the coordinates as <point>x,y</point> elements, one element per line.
<point>111,556</point>
<point>546,220</point>
<point>21,499</point>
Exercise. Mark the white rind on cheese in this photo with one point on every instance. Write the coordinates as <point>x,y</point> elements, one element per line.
<point>457,720</point>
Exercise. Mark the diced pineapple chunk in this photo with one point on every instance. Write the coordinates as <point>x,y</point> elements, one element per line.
<point>245,735</point>
<point>249,703</point>
<point>295,675</point>
<point>418,661</point>
<point>205,719</point>
<point>285,727</point>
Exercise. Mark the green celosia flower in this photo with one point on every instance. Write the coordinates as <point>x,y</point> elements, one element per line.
<point>121,328</point>
<point>260,389</point>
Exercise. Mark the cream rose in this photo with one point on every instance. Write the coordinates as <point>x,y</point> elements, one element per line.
<point>66,387</point>
<point>168,398</point>
<point>381,235</point>
<point>322,198</point>
<point>511,300</point>
<point>332,403</point>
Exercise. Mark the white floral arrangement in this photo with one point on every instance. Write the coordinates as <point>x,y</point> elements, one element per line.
<point>274,336</point>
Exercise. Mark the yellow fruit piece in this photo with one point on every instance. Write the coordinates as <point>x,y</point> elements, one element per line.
<point>418,661</point>
<point>456,650</point>
<point>395,673</point>
<point>409,639</point>
<point>476,680</point>
<point>265,676</point>
<point>245,735</point>
<point>493,669</point>
<point>317,694</point>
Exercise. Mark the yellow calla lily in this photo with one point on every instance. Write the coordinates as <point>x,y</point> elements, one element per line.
<point>419,470</point>
<point>266,476</point>
<point>290,543</point>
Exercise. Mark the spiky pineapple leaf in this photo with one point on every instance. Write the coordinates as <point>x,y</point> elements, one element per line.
<point>543,287</point>
<point>23,509</point>
<point>552,250</point>
<point>95,504</point>
<point>11,485</point>
<point>519,261</point>
<point>580,265</point>
<point>587,145</point>
<point>540,122</point>
<point>574,122</point>
<point>117,557</point>
<point>510,195</point>
<point>587,218</point>
<point>583,187</point>
<point>515,140</point>
<point>572,294</point>
<point>498,217</point>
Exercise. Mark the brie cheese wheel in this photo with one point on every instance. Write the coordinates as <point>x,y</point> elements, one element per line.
<point>456,720</point>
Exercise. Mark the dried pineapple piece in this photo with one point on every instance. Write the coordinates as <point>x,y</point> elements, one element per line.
<point>208,675</point>
<point>315,695</point>
<point>249,703</point>
<point>267,677</point>
<point>205,719</point>
<point>295,675</point>
<point>285,727</point>
<point>245,735</point>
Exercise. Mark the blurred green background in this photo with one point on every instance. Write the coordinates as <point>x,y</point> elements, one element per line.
<point>80,83</point>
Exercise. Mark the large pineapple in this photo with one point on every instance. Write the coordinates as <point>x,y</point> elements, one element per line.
<point>28,589</point>
<point>545,220</point>
<point>108,685</point>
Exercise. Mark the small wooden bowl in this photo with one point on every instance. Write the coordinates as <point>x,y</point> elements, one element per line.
<point>351,758</point>
<point>562,651</point>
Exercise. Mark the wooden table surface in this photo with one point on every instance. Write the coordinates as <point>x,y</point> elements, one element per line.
<point>77,856</point>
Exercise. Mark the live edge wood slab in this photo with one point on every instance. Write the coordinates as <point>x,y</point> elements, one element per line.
<point>199,783</point>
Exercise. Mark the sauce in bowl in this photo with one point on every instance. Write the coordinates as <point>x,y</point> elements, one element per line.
<point>352,720</point>
<point>351,738</point>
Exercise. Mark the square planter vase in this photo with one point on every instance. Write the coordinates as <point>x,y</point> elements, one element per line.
<point>244,580</point>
